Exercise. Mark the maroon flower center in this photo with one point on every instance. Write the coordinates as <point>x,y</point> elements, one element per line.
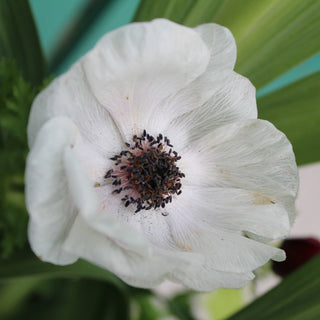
<point>146,172</point>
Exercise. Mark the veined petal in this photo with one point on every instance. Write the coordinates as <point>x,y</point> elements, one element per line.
<point>89,205</point>
<point>229,98</point>
<point>217,83</point>
<point>93,162</point>
<point>251,155</point>
<point>223,251</point>
<point>147,232</point>
<point>70,96</point>
<point>234,210</point>
<point>142,270</point>
<point>134,68</point>
<point>221,94</point>
<point>202,277</point>
<point>59,189</point>
<point>152,224</point>
<point>50,206</point>
<point>222,46</point>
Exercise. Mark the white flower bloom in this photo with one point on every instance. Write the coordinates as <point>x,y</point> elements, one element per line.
<point>148,160</point>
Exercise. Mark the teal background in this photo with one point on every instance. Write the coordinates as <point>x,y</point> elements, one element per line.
<point>54,17</point>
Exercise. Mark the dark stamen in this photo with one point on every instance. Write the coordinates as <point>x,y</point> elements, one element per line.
<point>148,174</point>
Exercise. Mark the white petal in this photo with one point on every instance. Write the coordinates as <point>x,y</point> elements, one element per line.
<point>203,278</point>
<point>216,97</point>
<point>222,46</point>
<point>141,270</point>
<point>251,155</point>
<point>144,232</point>
<point>219,88</point>
<point>49,204</point>
<point>95,164</point>
<point>134,68</point>
<point>235,210</point>
<point>229,98</point>
<point>58,189</point>
<point>151,223</point>
<point>69,95</point>
<point>89,206</point>
<point>224,251</point>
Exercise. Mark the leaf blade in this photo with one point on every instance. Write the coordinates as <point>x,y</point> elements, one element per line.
<point>174,10</point>
<point>272,36</point>
<point>19,39</point>
<point>25,264</point>
<point>295,298</point>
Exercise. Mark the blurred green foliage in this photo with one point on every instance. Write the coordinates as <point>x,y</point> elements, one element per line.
<point>63,299</point>
<point>22,70</point>
<point>16,96</point>
<point>180,305</point>
<point>19,39</point>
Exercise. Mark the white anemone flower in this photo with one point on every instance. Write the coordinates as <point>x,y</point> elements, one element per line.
<point>147,159</point>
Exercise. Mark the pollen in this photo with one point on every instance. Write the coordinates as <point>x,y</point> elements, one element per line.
<point>145,173</point>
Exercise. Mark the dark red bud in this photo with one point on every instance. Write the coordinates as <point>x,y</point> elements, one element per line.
<point>299,251</point>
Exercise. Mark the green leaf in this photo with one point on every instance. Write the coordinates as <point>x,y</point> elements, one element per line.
<point>147,307</point>
<point>19,39</point>
<point>180,306</point>
<point>275,39</point>
<point>295,110</point>
<point>34,298</point>
<point>297,297</point>
<point>13,293</point>
<point>272,36</point>
<point>78,291</point>
<point>26,264</point>
<point>88,299</point>
<point>180,11</point>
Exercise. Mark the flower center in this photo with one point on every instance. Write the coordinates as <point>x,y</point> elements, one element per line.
<point>146,173</point>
